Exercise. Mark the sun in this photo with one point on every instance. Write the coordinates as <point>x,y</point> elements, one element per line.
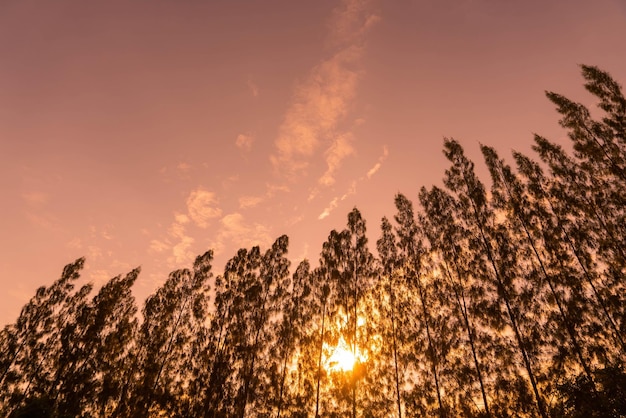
<point>342,358</point>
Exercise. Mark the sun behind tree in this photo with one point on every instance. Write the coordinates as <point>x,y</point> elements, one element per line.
<point>342,359</point>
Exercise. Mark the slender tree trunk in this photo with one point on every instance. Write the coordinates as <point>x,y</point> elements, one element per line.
<point>218,353</point>
<point>354,345</point>
<point>319,364</point>
<point>598,297</point>
<point>395,346</point>
<point>461,304</point>
<point>564,318</point>
<point>518,336</point>
<point>165,356</point>
<point>282,386</point>
<point>250,373</point>
<point>431,349</point>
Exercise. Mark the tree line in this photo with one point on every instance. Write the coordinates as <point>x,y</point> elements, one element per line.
<point>482,302</point>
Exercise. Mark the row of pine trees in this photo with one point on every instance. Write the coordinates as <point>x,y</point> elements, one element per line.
<point>500,302</point>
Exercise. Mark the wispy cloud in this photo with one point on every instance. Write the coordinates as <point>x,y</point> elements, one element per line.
<point>94,253</point>
<point>181,252</point>
<point>75,243</point>
<point>98,276</point>
<point>331,206</point>
<point>244,142</point>
<point>179,171</point>
<point>104,231</point>
<point>158,246</point>
<point>202,207</point>
<point>323,99</point>
<point>179,242</point>
<point>335,202</point>
<point>271,190</point>
<point>183,169</point>
<point>246,202</point>
<point>379,163</point>
<point>352,189</point>
<point>350,22</point>
<point>335,154</point>
<point>234,228</point>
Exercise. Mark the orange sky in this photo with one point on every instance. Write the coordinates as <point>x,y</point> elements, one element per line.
<point>146,132</point>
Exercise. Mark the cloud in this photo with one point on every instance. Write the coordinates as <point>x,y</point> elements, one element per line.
<point>94,253</point>
<point>244,142</point>
<point>270,191</point>
<point>177,229</point>
<point>181,251</point>
<point>319,104</point>
<point>183,169</point>
<point>373,170</point>
<point>181,248</point>
<point>236,230</point>
<point>180,171</point>
<point>106,232</point>
<point>228,182</point>
<point>323,99</point>
<point>158,246</point>
<point>181,218</point>
<point>377,166</point>
<point>335,154</point>
<point>249,201</point>
<point>99,277</point>
<point>350,22</point>
<point>331,206</point>
<point>352,189</point>
<point>75,243</point>
<point>202,207</point>
<point>335,202</point>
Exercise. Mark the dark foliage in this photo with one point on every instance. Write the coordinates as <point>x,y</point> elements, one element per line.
<point>483,302</point>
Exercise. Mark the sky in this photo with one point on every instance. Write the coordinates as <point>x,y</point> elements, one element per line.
<point>143,133</point>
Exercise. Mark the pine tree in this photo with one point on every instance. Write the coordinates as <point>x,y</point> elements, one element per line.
<point>590,226</point>
<point>450,241</point>
<point>94,347</point>
<point>219,389</point>
<point>414,255</point>
<point>266,302</point>
<point>292,337</point>
<point>461,179</point>
<point>360,268</point>
<point>325,277</point>
<point>32,343</point>
<point>510,197</point>
<point>161,343</point>
<point>390,261</point>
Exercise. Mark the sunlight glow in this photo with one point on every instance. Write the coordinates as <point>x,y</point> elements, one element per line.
<point>342,358</point>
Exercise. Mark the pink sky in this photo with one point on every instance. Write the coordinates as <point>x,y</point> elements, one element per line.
<point>146,132</point>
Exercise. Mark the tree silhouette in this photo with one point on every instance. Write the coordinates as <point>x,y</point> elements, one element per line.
<point>479,303</point>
